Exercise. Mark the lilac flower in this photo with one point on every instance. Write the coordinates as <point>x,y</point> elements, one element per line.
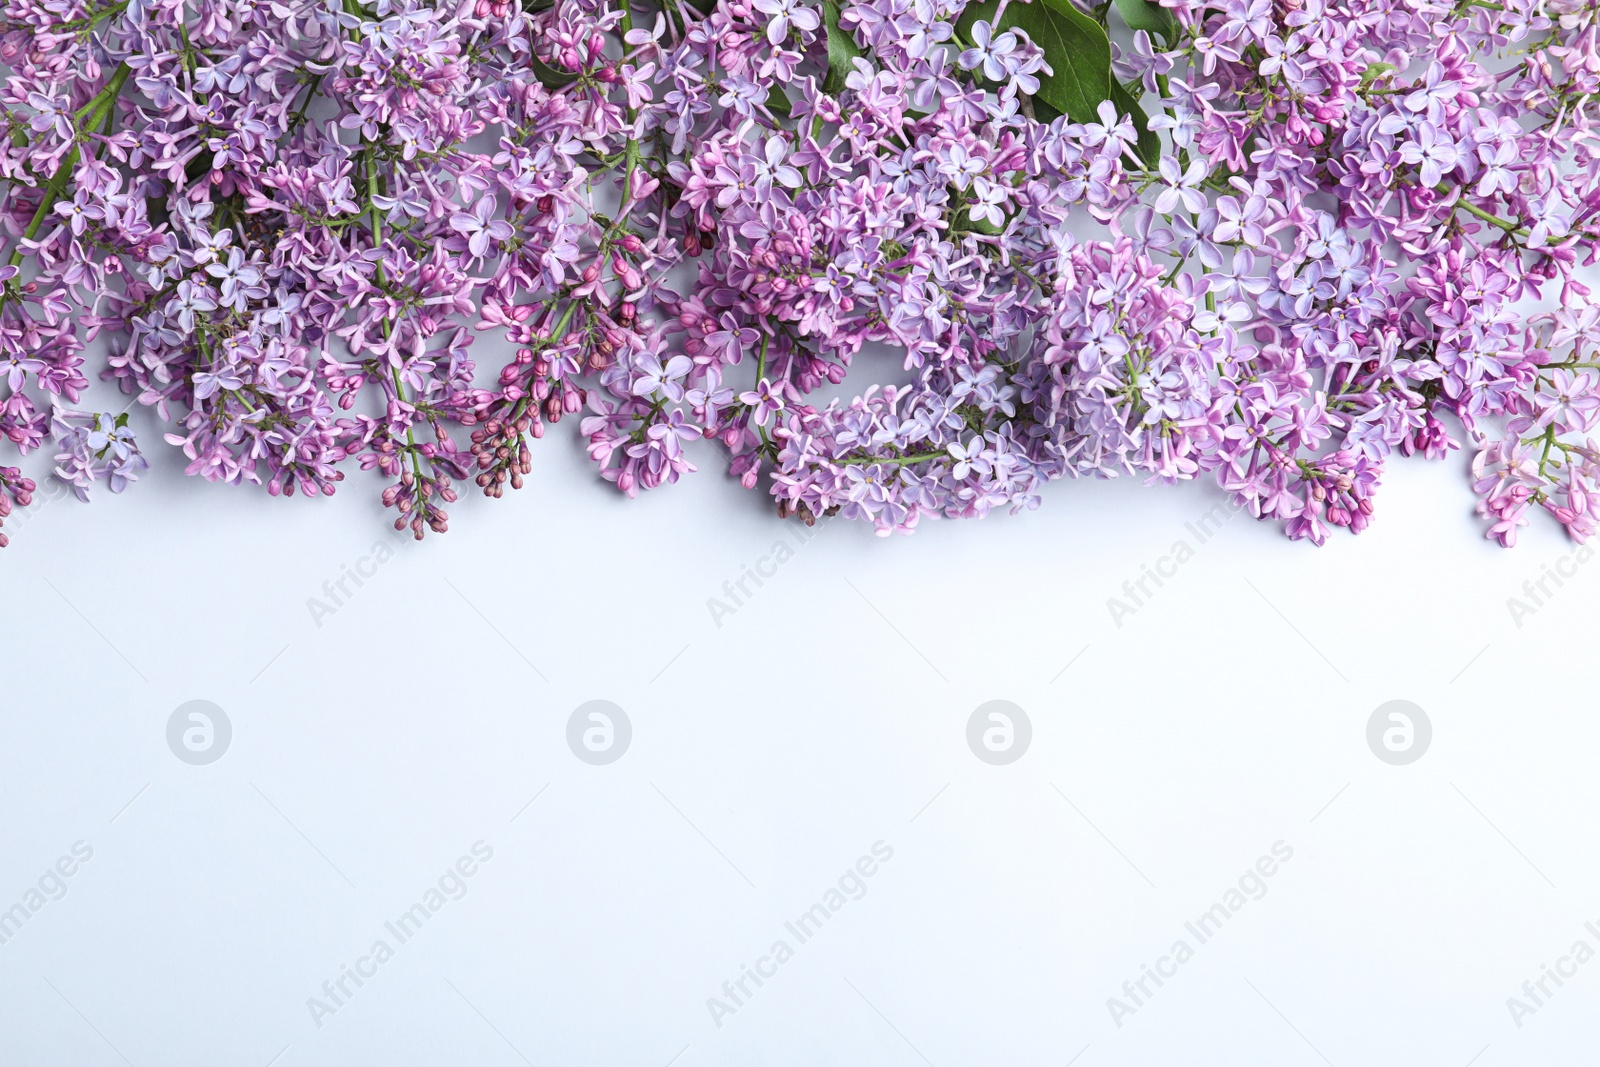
<point>208,383</point>
<point>1431,97</point>
<point>636,81</point>
<point>786,14</point>
<point>1570,405</point>
<point>238,281</point>
<point>480,226</point>
<point>766,401</point>
<point>1434,150</point>
<point>989,199</point>
<point>96,447</point>
<point>992,53</point>
<point>189,299</point>
<point>656,376</point>
<point>1252,17</point>
<point>1238,221</point>
<point>961,166</point>
<point>1181,186</point>
<point>771,167</point>
<point>1550,221</point>
<point>969,457</point>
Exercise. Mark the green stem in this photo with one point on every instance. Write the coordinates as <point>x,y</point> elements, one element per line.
<point>555,337</point>
<point>632,149</point>
<point>95,111</point>
<point>188,49</point>
<point>1473,209</point>
<point>896,461</point>
<point>376,223</point>
<point>1509,227</point>
<point>561,326</point>
<point>300,112</point>
<point>761,372</point>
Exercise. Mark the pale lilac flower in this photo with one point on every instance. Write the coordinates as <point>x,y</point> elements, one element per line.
<point>1434,150</point>
<point>990,52</point>
<point>480,226</point>
<point>1181,186</point>
<point>786,14</point>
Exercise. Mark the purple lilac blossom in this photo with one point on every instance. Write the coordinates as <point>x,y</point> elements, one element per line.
<point>96,446</point>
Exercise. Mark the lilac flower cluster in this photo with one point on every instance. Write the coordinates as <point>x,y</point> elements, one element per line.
<point>285,224</point>
<point>95,447</point>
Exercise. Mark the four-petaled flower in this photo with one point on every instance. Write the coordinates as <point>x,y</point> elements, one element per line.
<point>480,226</point>
<point>1181,186</point>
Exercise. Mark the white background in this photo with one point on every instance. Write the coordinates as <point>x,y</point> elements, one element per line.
<point>828,713</point>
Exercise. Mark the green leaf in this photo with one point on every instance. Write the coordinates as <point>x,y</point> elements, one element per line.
<point>549,76</point>
<point>1373,72</point>
<point>1152,18</point>
<point>1043,112</point>
<point>1075,46</point>
<point>963,222</point>
<point>841,50</point>
<point>1148,147</point>
<point>778,103</point>
<point>1079,54</point>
